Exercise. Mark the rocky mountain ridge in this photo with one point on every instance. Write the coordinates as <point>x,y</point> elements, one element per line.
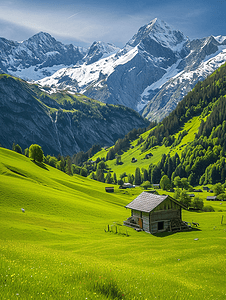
<point>39,56</point>
<point>61,123</point>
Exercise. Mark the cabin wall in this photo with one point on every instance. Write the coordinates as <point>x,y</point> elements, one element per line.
<point>165,215</point>
<point>145,217</point>
<point>154,227</point>
<point>136,213</point>
<point>167,205</point>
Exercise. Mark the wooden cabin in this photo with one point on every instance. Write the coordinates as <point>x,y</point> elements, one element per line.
<point>109,189</point>
<point>206,188</point>
<point>211,198</point>
<point>128,185</point>
<point>155,213</point>
<point>156,185</point>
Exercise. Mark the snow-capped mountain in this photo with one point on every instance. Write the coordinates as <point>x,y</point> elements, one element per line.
<point>176,84</point>
<point>99,50</point>
<point>151,74</point>
<point>38,57</point>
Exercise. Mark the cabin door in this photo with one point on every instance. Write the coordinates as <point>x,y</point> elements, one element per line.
<point>140,223</point>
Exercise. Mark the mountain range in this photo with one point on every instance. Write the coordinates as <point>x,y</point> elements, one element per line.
<point>156,68</point>
<point>150,74</point>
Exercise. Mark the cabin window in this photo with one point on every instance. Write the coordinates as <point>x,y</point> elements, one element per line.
<point>160,225</point>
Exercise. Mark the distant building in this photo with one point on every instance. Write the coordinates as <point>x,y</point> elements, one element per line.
<point>211,198</point>
<point>147,156</point>
<point>156,185</point>
<point>109,189</point>
<point>128,185</point>
<point>206,188</point>
<point>155,213</point>
<point>134,160</point>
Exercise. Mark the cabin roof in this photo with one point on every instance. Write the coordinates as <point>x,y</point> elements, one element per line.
<point>146,202</point>
<point>211,197</point>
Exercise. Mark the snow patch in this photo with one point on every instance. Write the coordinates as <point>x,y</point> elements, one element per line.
<point>87,74</point>
<point>220,38</point>
<point>34,72</point>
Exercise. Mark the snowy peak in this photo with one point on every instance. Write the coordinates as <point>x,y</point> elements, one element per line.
<point>161,33</point>
<point>221,39</point>
<point>41,38</point>
<point>38,57</point>
<point>99,50</point>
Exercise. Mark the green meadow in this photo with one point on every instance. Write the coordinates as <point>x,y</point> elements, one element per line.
<point>60,247</point>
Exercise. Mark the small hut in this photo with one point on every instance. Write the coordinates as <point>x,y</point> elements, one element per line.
<point>109,189</point>
<point>198,191</point>
<point>128,185</point>
<point>156,185</point>
<point>211,198</point>
<point>155,213</point>
<point>206,188</point>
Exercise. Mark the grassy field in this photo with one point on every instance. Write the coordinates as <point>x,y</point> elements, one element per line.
<point>58,248</point>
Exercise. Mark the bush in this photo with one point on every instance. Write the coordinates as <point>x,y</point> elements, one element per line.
<point>197,203</point>
<point>83,172</point>
<point>208,208</point>
<point>146,185</point>
<point>221,196</point>
<point>218,189</point>
<point>18,149</point>
<point>75,169</point>
<point>36,153</point>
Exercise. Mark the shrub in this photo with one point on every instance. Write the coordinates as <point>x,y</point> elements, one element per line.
<point>36,153</point>
<point>208,208</point>
<point>197,203</point>
<point>146,185</point>
<point>221,196</point>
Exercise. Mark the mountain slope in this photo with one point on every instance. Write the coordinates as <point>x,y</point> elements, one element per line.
<point>151,74</point>
<point>189,143</point>
<point>61,123</point>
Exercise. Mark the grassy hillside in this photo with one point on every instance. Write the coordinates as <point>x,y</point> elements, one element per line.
<point>157,151</point>
<point>58,248</point>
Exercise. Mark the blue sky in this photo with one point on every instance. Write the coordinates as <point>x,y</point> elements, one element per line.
<point>82,22</point>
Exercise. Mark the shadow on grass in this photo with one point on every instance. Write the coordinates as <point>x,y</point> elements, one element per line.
<point>164,234</point>
<point>41,165</point>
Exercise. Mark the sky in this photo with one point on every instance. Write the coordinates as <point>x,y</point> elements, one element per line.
<point>85,21</point>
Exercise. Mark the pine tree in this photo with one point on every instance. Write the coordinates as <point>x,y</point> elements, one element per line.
<point>137,178</point>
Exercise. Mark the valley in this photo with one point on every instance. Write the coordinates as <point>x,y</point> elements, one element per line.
<point>91,130</point>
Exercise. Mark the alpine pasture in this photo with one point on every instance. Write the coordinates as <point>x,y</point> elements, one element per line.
<point>59,247</point>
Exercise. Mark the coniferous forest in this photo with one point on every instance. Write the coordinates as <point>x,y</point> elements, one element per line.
<point>202,161</point>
